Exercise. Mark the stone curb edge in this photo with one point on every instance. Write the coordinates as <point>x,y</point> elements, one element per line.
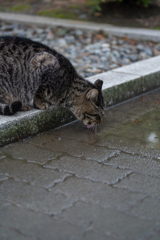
<point>134,33</point>
<point>119,85</point>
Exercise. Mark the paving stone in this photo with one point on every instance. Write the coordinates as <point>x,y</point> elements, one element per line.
<point>130,110</point>
<point>30,153</point>
<point>88,169</point>
<point>115,224</point>
<point>33,197</point>
<point>137,163</point>
<point>148,208</point>
<point>37,225</point>
<point>109,193</point>
<point>7,234</point>
<point>30,173</point>
<point>90,234</point>
<point>149,185</point>
<point>130,146</point>
<point>136,136</point>
<point>3,177</point>
<point>1,155</point>
<point>4,204</point>
<point>156,235</point>
<point>97,193</point>
<point>73,148</point>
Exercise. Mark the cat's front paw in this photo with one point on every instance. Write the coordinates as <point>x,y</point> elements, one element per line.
<point>41,105</point>
<point>26,108</point>
<point>44,105</point>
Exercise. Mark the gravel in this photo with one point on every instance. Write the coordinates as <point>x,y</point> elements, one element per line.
<point>89,52</point>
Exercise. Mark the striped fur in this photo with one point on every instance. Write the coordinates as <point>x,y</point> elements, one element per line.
<point>32,71</point>
<point>11,108</point>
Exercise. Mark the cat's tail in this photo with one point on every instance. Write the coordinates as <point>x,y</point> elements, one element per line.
<point>11,108</point>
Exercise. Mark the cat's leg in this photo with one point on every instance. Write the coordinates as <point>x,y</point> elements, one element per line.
<point>8,103</point>
<point>39,99</point>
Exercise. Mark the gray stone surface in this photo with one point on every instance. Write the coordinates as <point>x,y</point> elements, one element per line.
<point>94,171</point>
<point>149,185</point>
<point>89,51</point>
<point>114,224</point>
<point>142,68</point>
<point>34,225</point>
<point>21,171</point>
<point>71,183</point>
<point>148,208</point>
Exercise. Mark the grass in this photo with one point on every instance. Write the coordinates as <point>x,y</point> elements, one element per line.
<point>58,13</point>
<point>94,5</point>
<point>20,8</point>
<point>157,28</point>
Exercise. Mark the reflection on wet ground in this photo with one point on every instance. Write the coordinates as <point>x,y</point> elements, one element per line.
<point>93,185</point>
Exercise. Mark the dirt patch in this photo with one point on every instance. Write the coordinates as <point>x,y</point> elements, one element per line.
<point>112,12</point>
<point>127,14</point>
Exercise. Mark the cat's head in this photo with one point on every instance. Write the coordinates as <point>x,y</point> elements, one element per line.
<point>91,106</point>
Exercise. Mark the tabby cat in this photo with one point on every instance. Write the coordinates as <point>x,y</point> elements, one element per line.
<point>32,71</point>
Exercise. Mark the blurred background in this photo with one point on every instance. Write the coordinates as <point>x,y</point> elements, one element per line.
<point>131,13</point>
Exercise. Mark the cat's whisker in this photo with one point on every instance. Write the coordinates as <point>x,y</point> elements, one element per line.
<point>93,129</point>
<point>90,130</point>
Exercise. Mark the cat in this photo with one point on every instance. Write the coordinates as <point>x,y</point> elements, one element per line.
<point>30,71</point>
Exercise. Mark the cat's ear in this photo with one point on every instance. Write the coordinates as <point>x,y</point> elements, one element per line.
<point>98,83</point>
<point>92,95</point>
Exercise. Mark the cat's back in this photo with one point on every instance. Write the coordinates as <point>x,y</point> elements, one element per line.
<point>22,48</point>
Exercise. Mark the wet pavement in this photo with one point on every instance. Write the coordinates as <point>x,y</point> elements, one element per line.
<point>73,183</point>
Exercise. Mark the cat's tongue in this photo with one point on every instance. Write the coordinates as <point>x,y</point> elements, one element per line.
<point>90,126</point>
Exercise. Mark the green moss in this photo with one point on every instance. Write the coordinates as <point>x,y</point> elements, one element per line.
<point>94,5</point>
<point>157,28</point>
<point>35,123</point>
<point>20,8</point>
<point>90,3</point>
<point>58,13</point>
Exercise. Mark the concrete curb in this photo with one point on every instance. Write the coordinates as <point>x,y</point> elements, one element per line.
<point>25,124</point>
<point>129,81</point>
<point>134,33</point>
<point>119,85</point>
